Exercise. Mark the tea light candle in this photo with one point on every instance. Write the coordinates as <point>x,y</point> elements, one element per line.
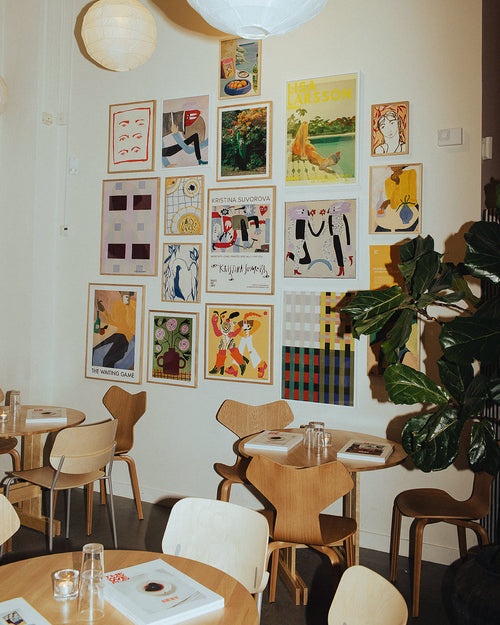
<point>3,415</point>
<point>65,584</point>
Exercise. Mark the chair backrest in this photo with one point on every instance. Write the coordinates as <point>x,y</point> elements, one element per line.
<point>128,409</point>
<point>9,521</point>
<point>364,597</point>
<point>299,495</point>
<point>479,503</point>
<point>244,419</point>
<point>1,395</point>
<point>85,448</point>
<point>222,534</point>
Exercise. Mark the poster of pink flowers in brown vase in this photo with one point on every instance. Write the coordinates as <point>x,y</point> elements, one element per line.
<point>173,348</point>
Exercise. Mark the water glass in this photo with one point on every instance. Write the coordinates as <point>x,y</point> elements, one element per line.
<point>15,403</point>
<point>319,437</point>
<point>92,559</point>
<point>65,584</point>
<point>307,441</point>
<point>91,597</point>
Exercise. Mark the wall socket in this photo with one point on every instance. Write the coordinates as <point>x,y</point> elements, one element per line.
<point>47,119</point>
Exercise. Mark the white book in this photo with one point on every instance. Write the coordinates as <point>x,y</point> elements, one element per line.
<point>19,612</point>
<point>46,415</point>
<point>155,593</point>
<point>274,441</point>
<point>365,450</point>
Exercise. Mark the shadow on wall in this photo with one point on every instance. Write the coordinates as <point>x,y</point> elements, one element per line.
<point>184,16</point>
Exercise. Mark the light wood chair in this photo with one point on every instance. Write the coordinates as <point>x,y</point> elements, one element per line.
<point>298,496</point>
<point>432,505</point>
<point>76,459</point>
<point>8,445</point>
<point>127,409</point>
<point>364,597</point>
<point>9,521</point>
<point>224,535</point>
<point>243,420</point>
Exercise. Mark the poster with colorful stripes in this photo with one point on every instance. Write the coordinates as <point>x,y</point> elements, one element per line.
<point>317,350</point>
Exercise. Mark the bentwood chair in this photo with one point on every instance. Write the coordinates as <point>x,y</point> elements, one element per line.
<point>432,505</point>
<point>224,535</point>
<point>243,420</point>
<point>9,521</point>
<point>298,495</point>
<point>8,445</point>
<point>76,459</point>
<point>364,597</point>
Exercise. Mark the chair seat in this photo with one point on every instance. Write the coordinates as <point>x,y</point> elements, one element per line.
<point>44,476</point>
<point>433,503</point>
<point>7,444</point>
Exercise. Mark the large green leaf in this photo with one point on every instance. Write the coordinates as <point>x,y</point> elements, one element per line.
<point>456,377</point>
<point>467,338</point>
<point>410,252</point>
<point>398,336</point>
<point>484,452</point>
<point>426,270</point>
<point>475,397</point>
<point>367,304</point>
<point>494,390</point>
<point>404,385</point>
<point>483,250</point>
<point>447,275</point>
<point>489,309</point>
<point>371,325</point>
<point>461,284</point>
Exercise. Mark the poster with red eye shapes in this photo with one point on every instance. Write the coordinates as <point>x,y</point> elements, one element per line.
<point>131,137</point>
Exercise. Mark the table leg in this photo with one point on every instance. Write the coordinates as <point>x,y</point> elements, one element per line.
<point>288,572</point>
<point>351,509</point>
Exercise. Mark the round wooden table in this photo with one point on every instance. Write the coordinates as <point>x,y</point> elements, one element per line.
<point>27,495</point>
<point>32,580</point>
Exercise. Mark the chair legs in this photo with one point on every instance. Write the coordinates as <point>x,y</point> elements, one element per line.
<point>224,490</point>
<point>134,482</point>
<point>395,537</point>
<point>16,459</point>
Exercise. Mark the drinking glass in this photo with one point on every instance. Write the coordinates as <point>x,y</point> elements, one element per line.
<point>307,441</point>
<point>15,403</point>
<point>91,597</point>
<point>319,437</point>
<point>93,559</point>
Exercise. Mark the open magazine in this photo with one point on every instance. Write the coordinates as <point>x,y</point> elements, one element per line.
<point>365,450</point>
<point>155,593</point>
<point>19,612</point>
<point>46,415</point>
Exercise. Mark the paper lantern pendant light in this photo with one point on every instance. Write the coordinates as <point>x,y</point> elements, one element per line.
<point>119,34</point>
<point>257,19</point>
<point>4,94</point>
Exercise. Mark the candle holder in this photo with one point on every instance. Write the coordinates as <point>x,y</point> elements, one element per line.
<point>65,584</point>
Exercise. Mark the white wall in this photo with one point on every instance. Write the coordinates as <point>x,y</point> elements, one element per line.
<point>424,51</point>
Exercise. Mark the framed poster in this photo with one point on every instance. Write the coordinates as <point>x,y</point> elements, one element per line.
<point>395,199</point>
<point>185,132</point>
<point>184,204</point>
<point>173,348</point>
<point>321,126</point>
<point>240,247</point>
<point>114,332</point>
<point>129,234</point>
<point>320,239</point>
<point>244,142</point>
<point>239,73</point>
<point>131,138</point>
<point>317,360</point>
<point>390,128</point>
<point>239,343</point>
<point>181,272</point>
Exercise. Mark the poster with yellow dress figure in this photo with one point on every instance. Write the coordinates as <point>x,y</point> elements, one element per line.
<point>396,199</point>
<point>321,143</point>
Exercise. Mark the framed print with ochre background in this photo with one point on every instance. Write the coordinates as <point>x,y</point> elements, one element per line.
<point>129,235</point>
<point>114,332</point>
<point>131,137</point>
<point>240,247</point>
<point>184,203</point>
<point>239,67</point>
<point>321,126</point>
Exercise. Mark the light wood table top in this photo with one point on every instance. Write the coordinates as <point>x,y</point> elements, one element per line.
<point>19,427</point>
<point>32,580</point>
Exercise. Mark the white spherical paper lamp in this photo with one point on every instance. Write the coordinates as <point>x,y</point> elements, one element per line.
<point>4,94</point>
<point>257,19</point>
<point>119,34</point>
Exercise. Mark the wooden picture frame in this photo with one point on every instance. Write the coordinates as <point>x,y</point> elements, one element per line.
<point>320,239</point>
<point>322,130</point>
<point>184,205</point>
<point>390,128</point>
<point>239,62</point>
<point>114,332</point>
<point>185,132</point>
<point>239,343</point>
<point>131,137</point>
<point>396,199</point>
<point>244,141</point>
<point>240,240</point>
<point>129,229</point>
<point>181,272</point>
<point>173,348</point>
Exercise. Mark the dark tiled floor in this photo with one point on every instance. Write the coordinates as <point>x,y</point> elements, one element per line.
<point>314,568</point>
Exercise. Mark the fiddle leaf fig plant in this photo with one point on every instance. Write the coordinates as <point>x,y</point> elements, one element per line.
<point>437,292</point>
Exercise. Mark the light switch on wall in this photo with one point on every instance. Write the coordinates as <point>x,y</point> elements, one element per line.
<point>450,136</point>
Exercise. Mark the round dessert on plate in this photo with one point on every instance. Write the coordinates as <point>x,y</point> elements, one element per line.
<point>243,74</point>
<point>237,87</point>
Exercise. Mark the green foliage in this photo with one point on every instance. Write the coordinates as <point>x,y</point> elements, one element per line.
<point>471,335</point>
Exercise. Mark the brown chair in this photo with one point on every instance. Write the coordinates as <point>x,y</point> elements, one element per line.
<point>9,521</point>
<point>127,409</point>
<point>298,496</point>
<point>8,445</point>
<point>432,505</point>
<point>243,420</point>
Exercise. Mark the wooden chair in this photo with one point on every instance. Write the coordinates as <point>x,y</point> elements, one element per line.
<point>364,597</point>
<point>228,537</point>
<point>9,521</point>
<point>8,445</point>
<point>76,459</point>
<point>298,495</point>
<point>243,420</point>
<point>432,505</point>
<point>127,409</point>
